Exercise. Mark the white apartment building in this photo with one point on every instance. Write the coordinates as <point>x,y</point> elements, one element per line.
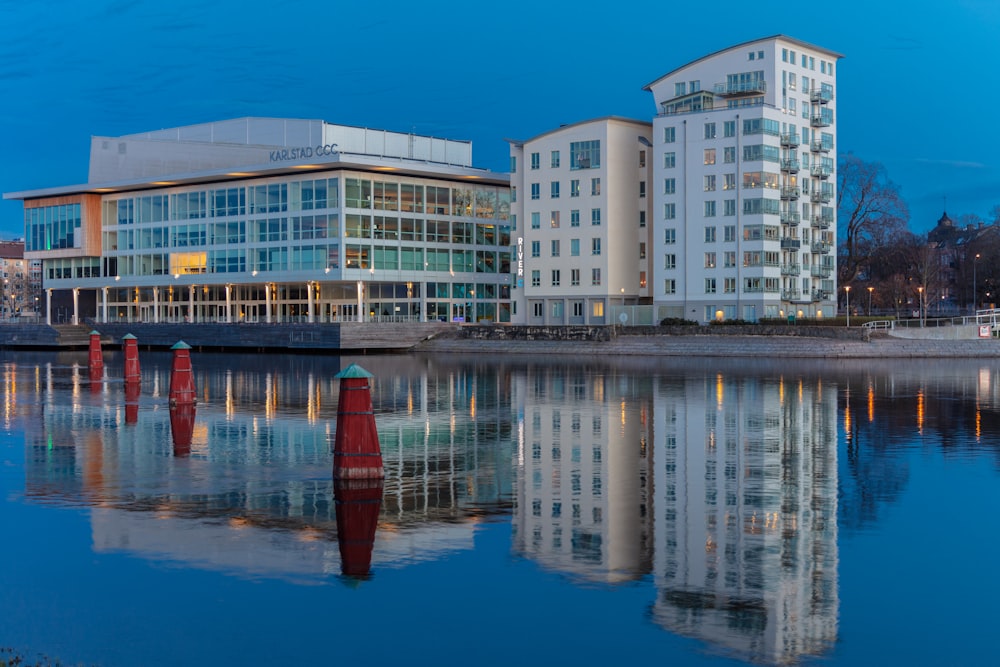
<point>580,207</point>
<point>743,185</point>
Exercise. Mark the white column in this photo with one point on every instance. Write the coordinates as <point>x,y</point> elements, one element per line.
<point>229,304</point>
<point>267,303</point>
<point>423,302</point>
<point>190,303</point>
<point>104,305</point>
<point>361,300</point>
<point>76,305</point>
<point>48,307</point>
<point>309,290</point>
<point>156,305</point>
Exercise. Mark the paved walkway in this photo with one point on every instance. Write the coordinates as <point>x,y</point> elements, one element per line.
<point>769,347</point>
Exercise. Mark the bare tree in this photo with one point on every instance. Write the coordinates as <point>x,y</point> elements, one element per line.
<point>871,213</point>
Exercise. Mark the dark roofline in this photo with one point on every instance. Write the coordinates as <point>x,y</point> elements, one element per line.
<point>786,38</point>
<point>601,119</point>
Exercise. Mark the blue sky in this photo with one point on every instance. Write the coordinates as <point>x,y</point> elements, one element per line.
<point>483,72</point>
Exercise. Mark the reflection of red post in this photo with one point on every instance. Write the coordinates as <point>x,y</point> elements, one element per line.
<point>358,505</point>
<point>96,360</point>
<point>181,377</point>
<point>131,402</point>
<point>356,451</point>
<point>131,358</point>
<point>182,427</point>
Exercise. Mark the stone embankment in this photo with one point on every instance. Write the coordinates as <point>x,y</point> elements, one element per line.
<point>783,342</point>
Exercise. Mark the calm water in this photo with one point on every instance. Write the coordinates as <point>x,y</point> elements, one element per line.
<point>534,511</point>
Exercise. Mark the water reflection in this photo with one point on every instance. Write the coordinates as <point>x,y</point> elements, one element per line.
<point>724,486</point>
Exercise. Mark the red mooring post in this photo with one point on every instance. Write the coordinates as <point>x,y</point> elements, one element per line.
<point>356,450</point>
<point>96,359</point>
<point>358,505</point>
<point>181,377</point>
<point>131,359</point>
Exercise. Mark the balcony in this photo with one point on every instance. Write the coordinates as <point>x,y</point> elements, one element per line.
<point>790,218</point>
<point>821,247</point>
<point>790,165</point>
<point>790,269</point>
<point>821,171</point>
<point>821,95</point>
<point>821,222</point>
<point>821,197</point>
<point>790,140</point>
<point>821,120</point>
<point>789,192</point>
<point>821,271</point>
<point>740,89</point>
<point>791,295</point>
<point>820,294</point>
<point>820,147</point>
<point>788,243</point>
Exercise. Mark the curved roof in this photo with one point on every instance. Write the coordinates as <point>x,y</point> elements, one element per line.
<point>786,38</point>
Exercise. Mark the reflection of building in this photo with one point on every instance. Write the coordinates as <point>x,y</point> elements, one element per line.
<point>583,494</point>
<point>255,494</point>
<point>275,220</point>
<point>746,513</point>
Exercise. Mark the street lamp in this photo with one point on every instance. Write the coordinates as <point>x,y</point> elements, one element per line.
<point>974,260</point>
<point>920,304</point>
<point>870,290</point>
<point>847,290</point>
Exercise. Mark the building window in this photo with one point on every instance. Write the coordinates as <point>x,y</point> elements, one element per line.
<point>574,218</point>
<point>729,128</point>
<point>577,312</point>
<point>595,246</point>
<point>536,191</point>
<point>642,250</point>
<point>729,285</point>
<point>597,308</point>
<point>709,182</point>
<point>513,193</point>
<point>642,159</point>
<point>555,277</point>
<point>554,220</point>
<point>595,276</point>
<point>710,130</point>
<point>642,189</point>
<point>710,234</point>
<point>536,220</point>
<point>574,188</point>
<point>555,159</point>
<point>729,233</point>
<point>670,236</point>
<point>595,186</point>
<point>574,278</point>
<point>669,135</point>
<point>669,186</point>
<point>554,190</point>
<point>536,248</point>
<point>536,161</point>
<point>555,247</point>
<point>574,247</point>
<point>729,154</point>
<point>536,308</point>
<point>709,156</point>
<point>642,218</point>
<point>595,216</point>
<point>585,154</point>
<point>670,160</point>
<point>729,181</point>
<point>709,285</point>
<point>536,278</point>
<point>729,207</point>
<point>670,286</point>
<point>513,164</point>
<point>669,211</point>
<point>729,259</point>
<point>709,260</point>
<point>680,88</point>
<point>670,261</point>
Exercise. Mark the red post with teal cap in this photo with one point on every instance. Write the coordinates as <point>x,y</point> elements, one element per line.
<point>132,374</point>
<point>357,453</point>
<point>181,376</point>
<point>96,358</point>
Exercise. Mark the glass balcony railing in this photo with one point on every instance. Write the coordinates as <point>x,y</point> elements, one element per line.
<point>788,243</point>
<point>821,247</point>
<point>821,147</point>
<point>790,165</point>
<point>790,140</point>
<point>740,88</point>
<point>789,192</point>
<point>821,120</point>
<point>821,171</point>
<point>821,95</point>
<point>790,295</point>
<point>821,197</point>
<point>790,269</point>
<point>790,217</point>
<point>820,222</point>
